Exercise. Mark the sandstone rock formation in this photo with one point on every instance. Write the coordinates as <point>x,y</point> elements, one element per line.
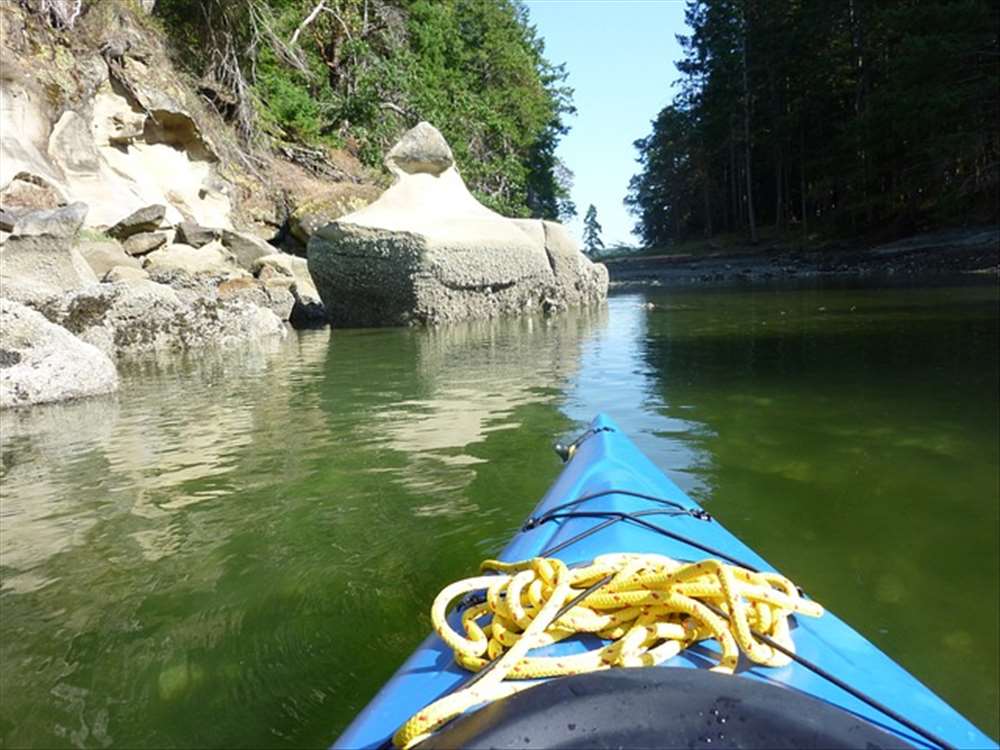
<point>39,259</point>
<point>140,317</point>
<point>195,235</point>
<point>428,252</point>
<point>120,199</point>
<point>146,219</point>
<point>308,310</point>
<point>42,362</point>
<point>115,153</point>
<point>104,255</point>
<point>212,258</point>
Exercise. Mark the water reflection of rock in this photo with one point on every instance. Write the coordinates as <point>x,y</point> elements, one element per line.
<point>178,423</point>
<point>470,379</point>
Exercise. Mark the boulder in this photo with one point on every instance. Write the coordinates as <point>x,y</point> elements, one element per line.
<point>421,150</point>
<point>195,235</point>
<point>126,274</point>
<point>58,222</point>
<point>144,243</point>
<point>308,311</point>
<point>31,193</point>
<point>275,297</point>
<point>8,217</point>
<point>42,362</point>
<point>212,258</point>
<point>146,219</point>
<point>103,255</point>
<point>35,267</point>
<point>578,279</point>
<point>245,247</point>
<point>141,316</point>
<point>427,252</point>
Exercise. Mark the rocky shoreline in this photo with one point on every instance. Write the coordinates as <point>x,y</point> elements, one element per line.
<point>76,301</point>
<point>963,251</point>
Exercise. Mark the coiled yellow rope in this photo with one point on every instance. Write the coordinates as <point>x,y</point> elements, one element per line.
<point>651,609</point>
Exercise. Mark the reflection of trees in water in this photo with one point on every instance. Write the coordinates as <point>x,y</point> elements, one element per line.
<point>851,437</point>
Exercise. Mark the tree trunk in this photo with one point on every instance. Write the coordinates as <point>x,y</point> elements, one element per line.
<point>734,193</point>
<point>708,210</point>
<point>727,218</point>
<point>706,189</point>
<point>802,179</point>
<point>746,135</point>
<point>779,200</point>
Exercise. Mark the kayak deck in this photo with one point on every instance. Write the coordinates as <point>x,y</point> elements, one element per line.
<point>607,464</point>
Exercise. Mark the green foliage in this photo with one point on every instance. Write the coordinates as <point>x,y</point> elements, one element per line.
<point>360,72</point>
<point>592,229</point>
<point>815,116</point>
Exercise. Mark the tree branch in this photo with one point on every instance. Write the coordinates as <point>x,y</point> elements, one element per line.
<point>308,20</point>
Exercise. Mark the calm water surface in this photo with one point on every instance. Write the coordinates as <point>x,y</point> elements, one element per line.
<point>239,549</point>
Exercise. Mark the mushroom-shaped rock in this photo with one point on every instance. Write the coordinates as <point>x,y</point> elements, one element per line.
<point>428,252</point>
<point>421,149</point>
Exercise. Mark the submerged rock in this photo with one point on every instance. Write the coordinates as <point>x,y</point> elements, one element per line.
<point>42,362</point>
<point>427,252</point>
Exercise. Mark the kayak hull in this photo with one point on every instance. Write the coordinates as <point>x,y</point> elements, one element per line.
<point>606,461</point>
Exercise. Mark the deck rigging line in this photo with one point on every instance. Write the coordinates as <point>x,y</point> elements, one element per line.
<point>673,508</point>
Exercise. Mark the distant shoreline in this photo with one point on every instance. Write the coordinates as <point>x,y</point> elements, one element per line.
<point>975,250</point>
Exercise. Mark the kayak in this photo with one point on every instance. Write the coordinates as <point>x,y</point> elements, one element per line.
<point>838,691</point>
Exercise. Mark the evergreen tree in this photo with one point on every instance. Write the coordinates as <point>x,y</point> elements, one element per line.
<point>592,232</point>
<point>848,118</point>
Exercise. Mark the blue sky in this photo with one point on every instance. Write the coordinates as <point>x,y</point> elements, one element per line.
<point>620,56</point>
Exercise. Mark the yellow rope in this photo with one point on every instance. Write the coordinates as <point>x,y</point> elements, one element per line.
<point>650,610</point>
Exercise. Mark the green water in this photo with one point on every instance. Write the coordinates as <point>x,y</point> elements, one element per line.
<point>239,549</point>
